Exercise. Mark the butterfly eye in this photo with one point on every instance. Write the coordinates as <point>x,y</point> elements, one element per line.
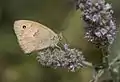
<point>23,26</point>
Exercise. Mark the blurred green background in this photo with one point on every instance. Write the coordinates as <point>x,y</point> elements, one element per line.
<point>60,16</point>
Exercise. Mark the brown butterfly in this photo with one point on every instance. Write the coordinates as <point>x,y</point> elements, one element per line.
<point>33,36</point>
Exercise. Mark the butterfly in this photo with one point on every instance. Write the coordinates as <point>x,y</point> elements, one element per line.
<point>33,36</point>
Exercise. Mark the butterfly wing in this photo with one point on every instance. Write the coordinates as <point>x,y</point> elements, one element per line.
<point>33,36</point>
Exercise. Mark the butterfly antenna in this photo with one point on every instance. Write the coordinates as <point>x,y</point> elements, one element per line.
<point>63,41</point>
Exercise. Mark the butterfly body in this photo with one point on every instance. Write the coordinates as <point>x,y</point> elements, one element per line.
<point>33,36</point>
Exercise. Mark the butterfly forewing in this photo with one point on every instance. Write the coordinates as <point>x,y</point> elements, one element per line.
<point>33,36</point>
